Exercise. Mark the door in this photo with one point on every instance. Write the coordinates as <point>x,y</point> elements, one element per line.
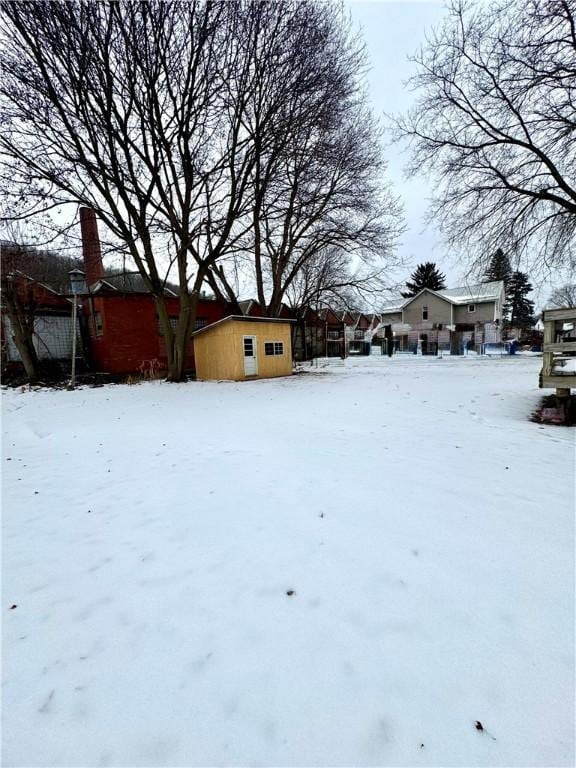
<point>250,360</point>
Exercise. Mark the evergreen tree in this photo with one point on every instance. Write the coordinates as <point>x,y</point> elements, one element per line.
<point>424,276</point>
<point>500,269</point>
<point>522,309</point>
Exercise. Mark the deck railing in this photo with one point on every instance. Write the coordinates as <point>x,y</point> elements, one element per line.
<point>559,349</point>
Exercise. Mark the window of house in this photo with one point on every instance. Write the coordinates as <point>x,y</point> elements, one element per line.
<point>173,322</point>
<point>98,324</point>
<point>200,322</point>
<point>273,348</point>
<point>471,307</point>
<point>424,313</point>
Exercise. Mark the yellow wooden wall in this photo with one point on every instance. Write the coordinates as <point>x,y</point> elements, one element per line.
<point>219,352</point>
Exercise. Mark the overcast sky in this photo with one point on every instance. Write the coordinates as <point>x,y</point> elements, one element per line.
<point>393,30</point>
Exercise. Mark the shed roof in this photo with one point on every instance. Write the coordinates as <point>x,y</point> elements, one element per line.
<point>243,319</point>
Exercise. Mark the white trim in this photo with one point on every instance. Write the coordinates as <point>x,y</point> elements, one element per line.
<point>253,357</point>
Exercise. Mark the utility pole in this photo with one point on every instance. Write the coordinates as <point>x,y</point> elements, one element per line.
<point>77,284</point>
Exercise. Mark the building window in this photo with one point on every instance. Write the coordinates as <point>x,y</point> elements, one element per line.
<point>200,322</point>
<point>424,313</point>
<point>173,322</point>
<point>98,325</point>
<point>471,307</point>
<point>273,348</point>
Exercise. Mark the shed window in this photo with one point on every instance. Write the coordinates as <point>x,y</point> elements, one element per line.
<point>273,348</point>
<point>471,307</point>
<point>424,313</point>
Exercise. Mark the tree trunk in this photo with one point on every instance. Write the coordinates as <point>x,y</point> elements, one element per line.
<point>22,330</point>
<point>166,329</point>
<point>184,328</point>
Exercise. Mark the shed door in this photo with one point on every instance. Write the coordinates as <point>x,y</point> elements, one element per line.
<point>250,361</point>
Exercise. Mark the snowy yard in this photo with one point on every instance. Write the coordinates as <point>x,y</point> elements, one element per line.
<point>347,567</point>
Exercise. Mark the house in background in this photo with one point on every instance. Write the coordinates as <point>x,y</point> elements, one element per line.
<point>121,333</point>
<point>360,334</point>
<point>451,319</point>
<point>121,316</point>
<point>334,333</point>
<point>49,314</point>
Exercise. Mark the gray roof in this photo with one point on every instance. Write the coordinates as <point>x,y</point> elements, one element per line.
<point>394,305</point>
<point>243,319</point>
<point>466,294</point>
<point>127,282</point>
<point>470,293</point>
<point>246,305</point>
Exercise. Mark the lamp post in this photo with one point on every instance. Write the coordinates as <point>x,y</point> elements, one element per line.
<point>77,285</point>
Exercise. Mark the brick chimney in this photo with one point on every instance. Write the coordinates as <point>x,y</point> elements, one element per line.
<point>91,252</point>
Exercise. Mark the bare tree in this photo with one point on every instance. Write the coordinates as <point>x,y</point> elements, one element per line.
<point>136,110</point>
<point>327,279</point>
<point>19,306</point>
<point>565,296</point>
<point>494,125</point>
<point>317,176</point>
<point>28,275</point>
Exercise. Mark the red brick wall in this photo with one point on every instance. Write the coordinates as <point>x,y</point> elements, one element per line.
<point>29,292</point>
<point>129,338</point>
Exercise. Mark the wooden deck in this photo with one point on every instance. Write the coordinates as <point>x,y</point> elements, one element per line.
<point>559,346</point>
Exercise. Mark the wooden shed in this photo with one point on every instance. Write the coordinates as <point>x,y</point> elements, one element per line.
<point>240,347</point>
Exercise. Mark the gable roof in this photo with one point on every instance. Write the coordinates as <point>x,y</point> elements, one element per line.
<point>347,318</point>
<point>246,305</point>
<point>41,294</point>
<point>468,294</point>
<point>393,306</point>
<point>125,282</point>
<point>473,293</point>
<point>361,320</point>
<point>329,316</point>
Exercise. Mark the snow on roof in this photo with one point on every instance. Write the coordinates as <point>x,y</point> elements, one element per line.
<point>464,295</point>
<point>469,293</point>
<point>394,305</point>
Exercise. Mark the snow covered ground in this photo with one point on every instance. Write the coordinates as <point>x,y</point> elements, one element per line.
<point>347,567</point>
